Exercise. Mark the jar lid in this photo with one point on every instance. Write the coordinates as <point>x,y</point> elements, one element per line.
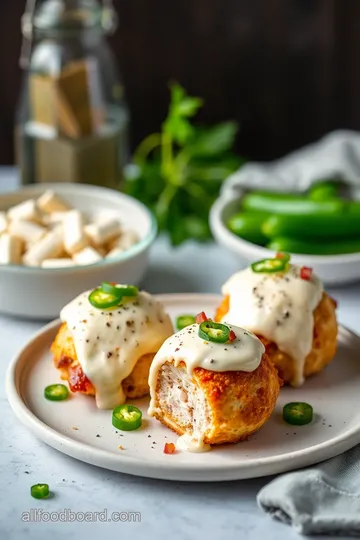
<point>59,17</point>
<point>67,14</point>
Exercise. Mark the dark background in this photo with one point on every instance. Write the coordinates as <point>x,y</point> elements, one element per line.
<point>287,70</point>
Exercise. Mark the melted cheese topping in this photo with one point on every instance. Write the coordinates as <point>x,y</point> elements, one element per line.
<point>242,354</point>
<point>278,307</point>
<point>109,343</point>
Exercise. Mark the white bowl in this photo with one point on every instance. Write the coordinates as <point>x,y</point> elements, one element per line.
<point>40,293</point>
<point>332,269</point>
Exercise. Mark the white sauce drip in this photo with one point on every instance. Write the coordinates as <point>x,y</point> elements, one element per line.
<point>108,343</point>
<point>242,354</point>
<point>277,306</point>
<point>192,443</point>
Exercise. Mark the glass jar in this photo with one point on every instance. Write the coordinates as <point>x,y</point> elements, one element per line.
<point>72,119</point>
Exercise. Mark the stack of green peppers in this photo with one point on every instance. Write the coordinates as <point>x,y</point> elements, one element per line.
<point>319,222</point>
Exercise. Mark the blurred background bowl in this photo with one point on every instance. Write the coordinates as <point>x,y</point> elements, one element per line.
<point>40,293</point>
<point>332,269</point>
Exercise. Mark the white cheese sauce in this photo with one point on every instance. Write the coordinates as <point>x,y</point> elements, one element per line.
<point>242,354</point>
<point>278,307</point>
<point>109,343</point>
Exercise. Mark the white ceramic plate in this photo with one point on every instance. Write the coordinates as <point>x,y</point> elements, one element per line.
<point>276,448</point>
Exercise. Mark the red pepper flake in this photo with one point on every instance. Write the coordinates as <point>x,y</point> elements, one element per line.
<point>306,273</point>
<point>169,448</point>
<point>279,255</point>
<point>201,317</point>
<point>232,335</point>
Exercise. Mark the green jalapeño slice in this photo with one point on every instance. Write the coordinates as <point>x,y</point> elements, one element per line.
<point>298,413</point>
<point>269,266</point>
<point>212,331</point>
<point>56,392</point>
<point>126,417</point>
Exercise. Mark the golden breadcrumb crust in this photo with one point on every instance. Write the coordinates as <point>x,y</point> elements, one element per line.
<point>66,361</point>
<point>323,347</point>
<point>239,402</point>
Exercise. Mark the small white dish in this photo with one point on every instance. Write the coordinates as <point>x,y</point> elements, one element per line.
<point>332,269</point>
<point>40,293</point>
<point>276,448</point>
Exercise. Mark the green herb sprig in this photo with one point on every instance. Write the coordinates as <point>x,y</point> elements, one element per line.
<point>178,172</point>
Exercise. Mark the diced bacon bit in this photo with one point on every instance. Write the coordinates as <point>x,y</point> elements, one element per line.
<point>201,317</point>
<point>78,381</point>
<point>64,362</point>
<point>232,335</point>
<point>169,448</point>
<point>306,273</point>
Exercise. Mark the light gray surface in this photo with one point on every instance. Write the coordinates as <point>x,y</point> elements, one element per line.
<point>168,509</point>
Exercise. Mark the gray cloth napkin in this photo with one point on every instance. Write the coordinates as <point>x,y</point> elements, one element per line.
<point>324,499</point>
<point>337,155</point>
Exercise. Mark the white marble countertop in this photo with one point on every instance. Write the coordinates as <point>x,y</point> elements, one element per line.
<point>175,510</point>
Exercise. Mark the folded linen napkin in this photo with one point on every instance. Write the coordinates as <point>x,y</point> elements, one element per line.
<point>335,156</point>
<point>324,499</point>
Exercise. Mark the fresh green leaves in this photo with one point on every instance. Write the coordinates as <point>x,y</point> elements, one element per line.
<point>182,107</point>
<point>214,140</point>
<point>178,173</point>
